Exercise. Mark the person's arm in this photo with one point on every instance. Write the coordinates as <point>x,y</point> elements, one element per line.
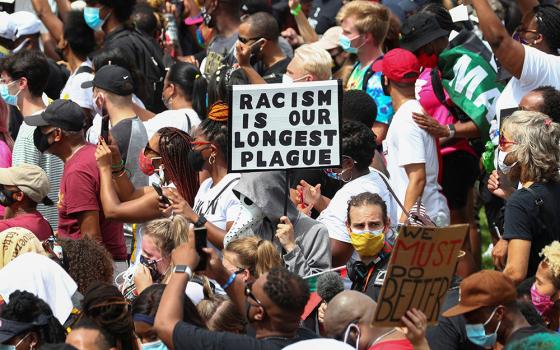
<point>509,52</point>
<point>243,55</point>
<point>426,122</point>
<point>416,181</point>
<point>170,310</point>
<point>527,6</point>
<point>180,206</point>
<point>305,29</point>
<point>517,260</point>
<point>89,224</point>
<point>380,131</point>
<point>308,255</point>
<point>49,19</point>
<point>341,252</point>
<point>63,6</point>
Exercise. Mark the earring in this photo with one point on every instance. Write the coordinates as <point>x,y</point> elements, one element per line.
<point>212,159</point>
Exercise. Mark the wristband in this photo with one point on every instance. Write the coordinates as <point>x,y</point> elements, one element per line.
<point>118,166</point>
<point>452,131</point>
<point>230,280</point>
<point>296,11</point>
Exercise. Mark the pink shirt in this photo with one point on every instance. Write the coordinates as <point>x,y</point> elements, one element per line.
<point>5,162</point>
<point>431,104</point>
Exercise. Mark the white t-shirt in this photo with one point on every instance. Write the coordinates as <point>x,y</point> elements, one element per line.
<point>73,89</point>
<point>216,204</point>
<point>539,69</point>
<point>184,119</point>
<point>407,143</point>
<point>335,214</point>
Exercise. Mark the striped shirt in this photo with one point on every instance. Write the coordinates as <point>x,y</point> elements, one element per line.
<point>26,152</point>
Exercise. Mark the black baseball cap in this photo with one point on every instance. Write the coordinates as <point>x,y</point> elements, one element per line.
<point>419,30</point>
<point>9,328</point>
<point>112,78</point>
<point>64,114</point>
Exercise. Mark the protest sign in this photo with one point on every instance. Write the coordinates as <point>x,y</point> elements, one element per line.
<point>420,271</point>
<point>285,126</point>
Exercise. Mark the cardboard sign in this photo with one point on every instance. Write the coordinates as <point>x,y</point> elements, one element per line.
<point>420,271</point>
<point>285,126</point>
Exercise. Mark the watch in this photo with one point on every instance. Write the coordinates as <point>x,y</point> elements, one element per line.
<point>201,221</point>
<point>452,131</point>
<point>183,269</point>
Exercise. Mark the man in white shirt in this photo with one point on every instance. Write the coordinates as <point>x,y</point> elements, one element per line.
<point>412,158</point>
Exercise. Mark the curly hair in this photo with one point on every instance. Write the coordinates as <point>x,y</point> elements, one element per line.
<point>87,261</point>
<point>287,290</point>
<point>26,307</point>
<point>551,255</point>
<point>358,143</point>
<point>551,102</point>
<point>367,198</point>
<point>537,145</point>
<point>105,305</point>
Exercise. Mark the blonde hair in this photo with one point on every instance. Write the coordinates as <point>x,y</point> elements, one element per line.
<point>537,145</point>
<point>551,254</point>
<point>315,61</point>
<point>168,233</point>
<point>254,254</point>
<point>369,17</point>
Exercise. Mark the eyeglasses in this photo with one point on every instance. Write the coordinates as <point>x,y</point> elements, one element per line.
<point>503,142</point>
<point>246,40</point>
<point>249,294</point>
<point>517,35</point>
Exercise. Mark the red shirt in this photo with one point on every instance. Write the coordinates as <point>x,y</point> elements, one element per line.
<point>34,222</point>
<point>79,191</point>
<point>396,344</point>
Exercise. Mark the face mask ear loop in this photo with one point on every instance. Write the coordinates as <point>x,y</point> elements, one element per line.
<point>347,334</point>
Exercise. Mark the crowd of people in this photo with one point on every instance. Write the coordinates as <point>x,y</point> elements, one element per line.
<point>123,228</point>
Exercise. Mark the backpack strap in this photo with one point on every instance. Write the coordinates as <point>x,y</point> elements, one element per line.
<point>382,176</point>
<point>84,69</point>
<point>370,72</point>
<point>213,203</point>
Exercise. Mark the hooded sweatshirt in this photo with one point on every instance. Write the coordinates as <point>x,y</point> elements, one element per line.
<point>267,190</point>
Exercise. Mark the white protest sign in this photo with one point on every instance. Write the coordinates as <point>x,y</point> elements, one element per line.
<point>285,126</point>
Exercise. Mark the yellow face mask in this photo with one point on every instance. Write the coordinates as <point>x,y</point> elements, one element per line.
<point>368,243</point>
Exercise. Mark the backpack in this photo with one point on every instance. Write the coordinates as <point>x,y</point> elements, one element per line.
<point>152,67</point>
<point>372,69</point>
<point>437,86</point>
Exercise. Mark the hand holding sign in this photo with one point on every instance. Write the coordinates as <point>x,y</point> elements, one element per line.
<point>416,324</point>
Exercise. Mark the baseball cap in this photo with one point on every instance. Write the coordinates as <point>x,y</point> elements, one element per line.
<point>18,24</point>
<point>482,289</point>
<point>401,66</point>
<point>329,40</point>
<point>9,328</point>
<point>112,78</point>
<point>419,30</point>
<point>30,179</point>
<point>64,114</point>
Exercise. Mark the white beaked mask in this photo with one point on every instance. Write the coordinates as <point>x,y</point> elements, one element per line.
<point>249,217</point>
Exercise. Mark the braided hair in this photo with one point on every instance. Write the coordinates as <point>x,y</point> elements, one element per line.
<point>215,127</point>
<point>548,24</point>
<point>105,305</point>
<point>26,307</point>
<point>174,148</point>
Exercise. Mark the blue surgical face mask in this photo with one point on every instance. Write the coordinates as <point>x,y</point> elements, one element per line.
<point>477,334</point>
<point>346,43</point>
<point>93,19</point>
<point>6,96</point>
<point>155,345</point>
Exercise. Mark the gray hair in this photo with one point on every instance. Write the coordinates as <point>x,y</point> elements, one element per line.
<point>537,145</point>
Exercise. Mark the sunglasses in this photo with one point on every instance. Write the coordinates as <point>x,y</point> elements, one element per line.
<point>246,40</point>
<point>518,35</point>
<point>249,294</point>
<point>503,142</point>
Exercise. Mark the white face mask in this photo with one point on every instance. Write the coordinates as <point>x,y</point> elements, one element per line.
<point>249,217</point>
<point>286,79</point>
<point>504,168</point>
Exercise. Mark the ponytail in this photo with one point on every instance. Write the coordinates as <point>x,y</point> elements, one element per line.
<point>200,88</point>
<point>193,85</point>
<point>168,233</point>
<point>267,257</point>
<point>255,254</point>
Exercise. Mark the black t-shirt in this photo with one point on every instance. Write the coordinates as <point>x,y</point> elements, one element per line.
<point>273,74</point>
<point>323,14</point>
<point>526,220</point>
<point>525,332</point>
<point>188,336</point>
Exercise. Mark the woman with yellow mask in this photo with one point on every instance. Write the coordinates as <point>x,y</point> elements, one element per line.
<point>370,233</point>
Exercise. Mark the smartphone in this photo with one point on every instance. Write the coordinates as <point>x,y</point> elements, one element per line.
<point>200,243</point>
<point>105,129</point>
<point>256,46</point>
<point>159,191</point>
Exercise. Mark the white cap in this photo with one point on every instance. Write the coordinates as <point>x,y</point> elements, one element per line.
<point>329,40</point>
<point>18,24</point>
<point>78,5</point>
<point>319,343</point>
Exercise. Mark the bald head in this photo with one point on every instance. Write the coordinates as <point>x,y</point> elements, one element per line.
<point>347,307</point>
<point>533,101</point>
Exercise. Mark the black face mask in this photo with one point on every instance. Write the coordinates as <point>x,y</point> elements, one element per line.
<point>196,160</point>
<point>7,197</point>
<point>152,266</point>
<point>41,140</point>
<point>384,86</point>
